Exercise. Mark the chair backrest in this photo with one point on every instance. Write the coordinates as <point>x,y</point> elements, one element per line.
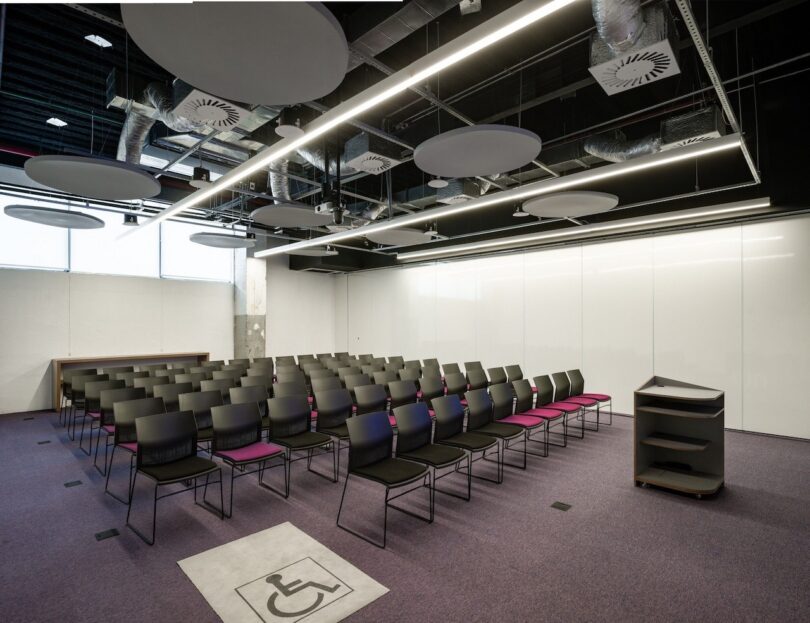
<point>77,383</point>
<point>434,363</point>
<point>235,426</point>
<point>502,400</point>
<point>200,404</point>
<point>430,370</point>
<point>153,367</point>
<point>290,389</point>
<point>170,374</point>
<point>562,386</point>
<point>262,364</point>
<point>206,372</point>
<point>239,362</point>
<point>413,426</point>
<point>397,359</point>
<point>290,376</point>
<point>412,363</point>
<point>69,373</point>
<point>149,383</point>
<point>449,414</point>
<point>236,367</point>
<point>223,386</point>
<point>410,374</point>
<point>523,394</point>
<point>367,358</point>
<point>285,359</point>
<point>357,380</point>
<point>165,438</point>
<point>182,366</point>
<point>431,387</point>
<point>212,365</point>
<point>479,408</point>
<point>234,374</point>
<point>289,415</point>
<point>577,382</point>
<point>371,438</point>
<point>253,381</point>
<point>129,377</point>
<point>252,393</point>
<point>109,397</point>
<point>545,390</point>
<point>497,376</point>
<point>171,393</point>
<point>402,393</point>
<point>324,384</point>
<point>380,361</point>
<point>113,370</point>
<point>370,398</point>
<point>393,367</point>
<point>450,368</point>
<point>334,407</point>
<point>347,371</point>
<point>262,373</point>
<point>342,355</point>
<point>472,365</point>
<point>383,377</point>
<point>93,389</point>
<point>513,373</point>
<point>195,378</point>
<point>126,412</point>
<point>477,378</point>
<point>456,383</point>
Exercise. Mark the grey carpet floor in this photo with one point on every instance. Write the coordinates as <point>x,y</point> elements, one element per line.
<point>621,553</point>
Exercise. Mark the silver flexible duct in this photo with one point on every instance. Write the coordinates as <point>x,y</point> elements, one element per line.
<point>279,182</point>
<point>618,22</point>
<point>615,149</point>
<point>315,157</point>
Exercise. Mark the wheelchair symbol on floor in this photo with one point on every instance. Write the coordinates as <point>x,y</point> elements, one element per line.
<point>291,588</point>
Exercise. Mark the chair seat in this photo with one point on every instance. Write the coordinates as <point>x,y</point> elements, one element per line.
<point>391,471</point>
<point>309,399</point>
<point>94,414</point>
<point>463,402</point>
<point>598,397</point>
<point>582,400</point>
<point>495,429</point>
<point>254,452</point>
<point>341,431</point>
<point>313,415</point>
<point>431,413</point>
<point>392,421</point>
<point>418,395</point>
<point>109,429</point>
<point>306,439</point>
<point>546,414</point>
<point>188,467</point>
<point>433,454</point>
<point>469,441</point>
<point>568,407</point>
<point>129,446</point>
<point>522,420</point>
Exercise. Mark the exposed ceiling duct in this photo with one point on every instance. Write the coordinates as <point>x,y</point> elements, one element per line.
<point>619,23</point>
<point>615,147</point>
<point>279,182</point>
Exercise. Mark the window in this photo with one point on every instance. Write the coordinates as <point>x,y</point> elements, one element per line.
<point>30,245</point>
<point>107,251</point>
<point>187,260</point>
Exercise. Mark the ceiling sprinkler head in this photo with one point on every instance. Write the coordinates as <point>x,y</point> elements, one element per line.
<point>201,178</point>
<point>131,220</point>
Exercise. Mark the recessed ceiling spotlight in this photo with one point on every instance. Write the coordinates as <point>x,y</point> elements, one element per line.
<point>56,121</point>
<point>131,220</point>
<point>98,40</point>
<point>520,213</point>
<point>438,182</point>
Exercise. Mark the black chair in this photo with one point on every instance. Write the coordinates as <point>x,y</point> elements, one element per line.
<point>324,384</point>
<point>171,394</point>
<point>252,381</point>
<point>195,378</point>
<point>414,428</point>
<point>124,436</point>
<point>380,361</point>
<point>477,379</point>
<point>397,360</point>
<point>402,393</point>
<point>393,367</point>
<point>129,377</point>
<point>112,371</point>
<point>385,377</point>
<point>578,389</point>
<point>261,373</point>
<point>450,368</point>
<point>290,376</point>
<point>562,393</point>
<point>456,384</point>
<point>370,399</point>
<point>410,374</point>
<point>480,420</point>
<point>238,442</point>
<point>154,367</point>
<point>167,455</point>
<point>250,394</point>
<point>431,371</point>
<point>289,428</point>
<point>513,373</point>
<point>92,403</point>
<point>472,365</point>
<point>355,381</point>
<point>233,374</point>
<point>285,360</point>
<point>106,422</point>
<point>239,362</point>
<point>434,363</point>
<point>545,398</point>
<point>503,412</point>
<point>413,364</point>
<point>235,367</point>
<point>223,386</point>
<point>347,371</point>
<point>77,401</point>
<point>371,368</point>
<point>449,430</point>
<point>200,404</point>
<point>367,358</point>
<point>169,374</point>
<point>334,408</point>
<point>371,439</point>
<point>430,387</point>
<point>497,376</point>
<point>281,390</point>
<point>67,389</point>
<point>149,383</point>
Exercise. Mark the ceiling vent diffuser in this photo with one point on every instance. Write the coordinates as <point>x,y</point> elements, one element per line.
<point>371,154</point>
<point>458,191</point>
<point>210,110</point>
<point>652,58</point>
<point>693,127</point>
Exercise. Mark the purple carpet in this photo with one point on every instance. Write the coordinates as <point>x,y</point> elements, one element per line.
<point>620,553</point>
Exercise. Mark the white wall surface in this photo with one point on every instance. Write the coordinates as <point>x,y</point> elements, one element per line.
<point>46,315</point>
<point>727,307</point>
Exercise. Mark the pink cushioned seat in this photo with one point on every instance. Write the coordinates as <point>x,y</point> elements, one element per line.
<point>546,414</point>
<point>392,420</point>
<point>419,395</point>
<point>568,407</point>
<point>598,397</point>
<point>94,414</point>
<point>523,420</point>
<point>253,452</point>
<point>313,415</point>
<point>129,446</point>
<point>582,400</point>
<point>431,413</point>
<point>309,399</point>
<point>109,429</point>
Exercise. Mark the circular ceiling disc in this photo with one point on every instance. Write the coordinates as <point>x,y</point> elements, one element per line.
<point>571,204</point>
<point>222,241</point>
<point>54,217</point>
<point>254,52</point>
<point>283,215</point>
<point>477,150</point>
<point>313,252</point>
<point>398,237</point>
<point>92,177</point>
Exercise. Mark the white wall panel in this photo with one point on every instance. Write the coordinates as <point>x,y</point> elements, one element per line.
<point>412,293</point>
<point>776,326</point>
<point>553,311</point>
<point>341,318</point>
<point>456,315</point>
<point>617,318</point>
<point>499,310</point>
<point>197,316</point>
<point>698,325</point>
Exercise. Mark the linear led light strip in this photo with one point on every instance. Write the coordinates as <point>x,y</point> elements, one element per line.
<point>588,229</point>
<point>496,29</point>
<point>534,189</point>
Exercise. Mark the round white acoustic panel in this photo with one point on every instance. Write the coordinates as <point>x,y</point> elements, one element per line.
<point>571,204</point>
<point>285,215</point>
<point>477,150</point>
<point>54,217</point>
<point>314,252</point>
<point>92,177</point>
<point>401,237</point>
<point>254,52</point>
<point>222,241</point>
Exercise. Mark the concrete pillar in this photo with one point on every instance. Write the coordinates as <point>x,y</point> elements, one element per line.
<point>250,306</point>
